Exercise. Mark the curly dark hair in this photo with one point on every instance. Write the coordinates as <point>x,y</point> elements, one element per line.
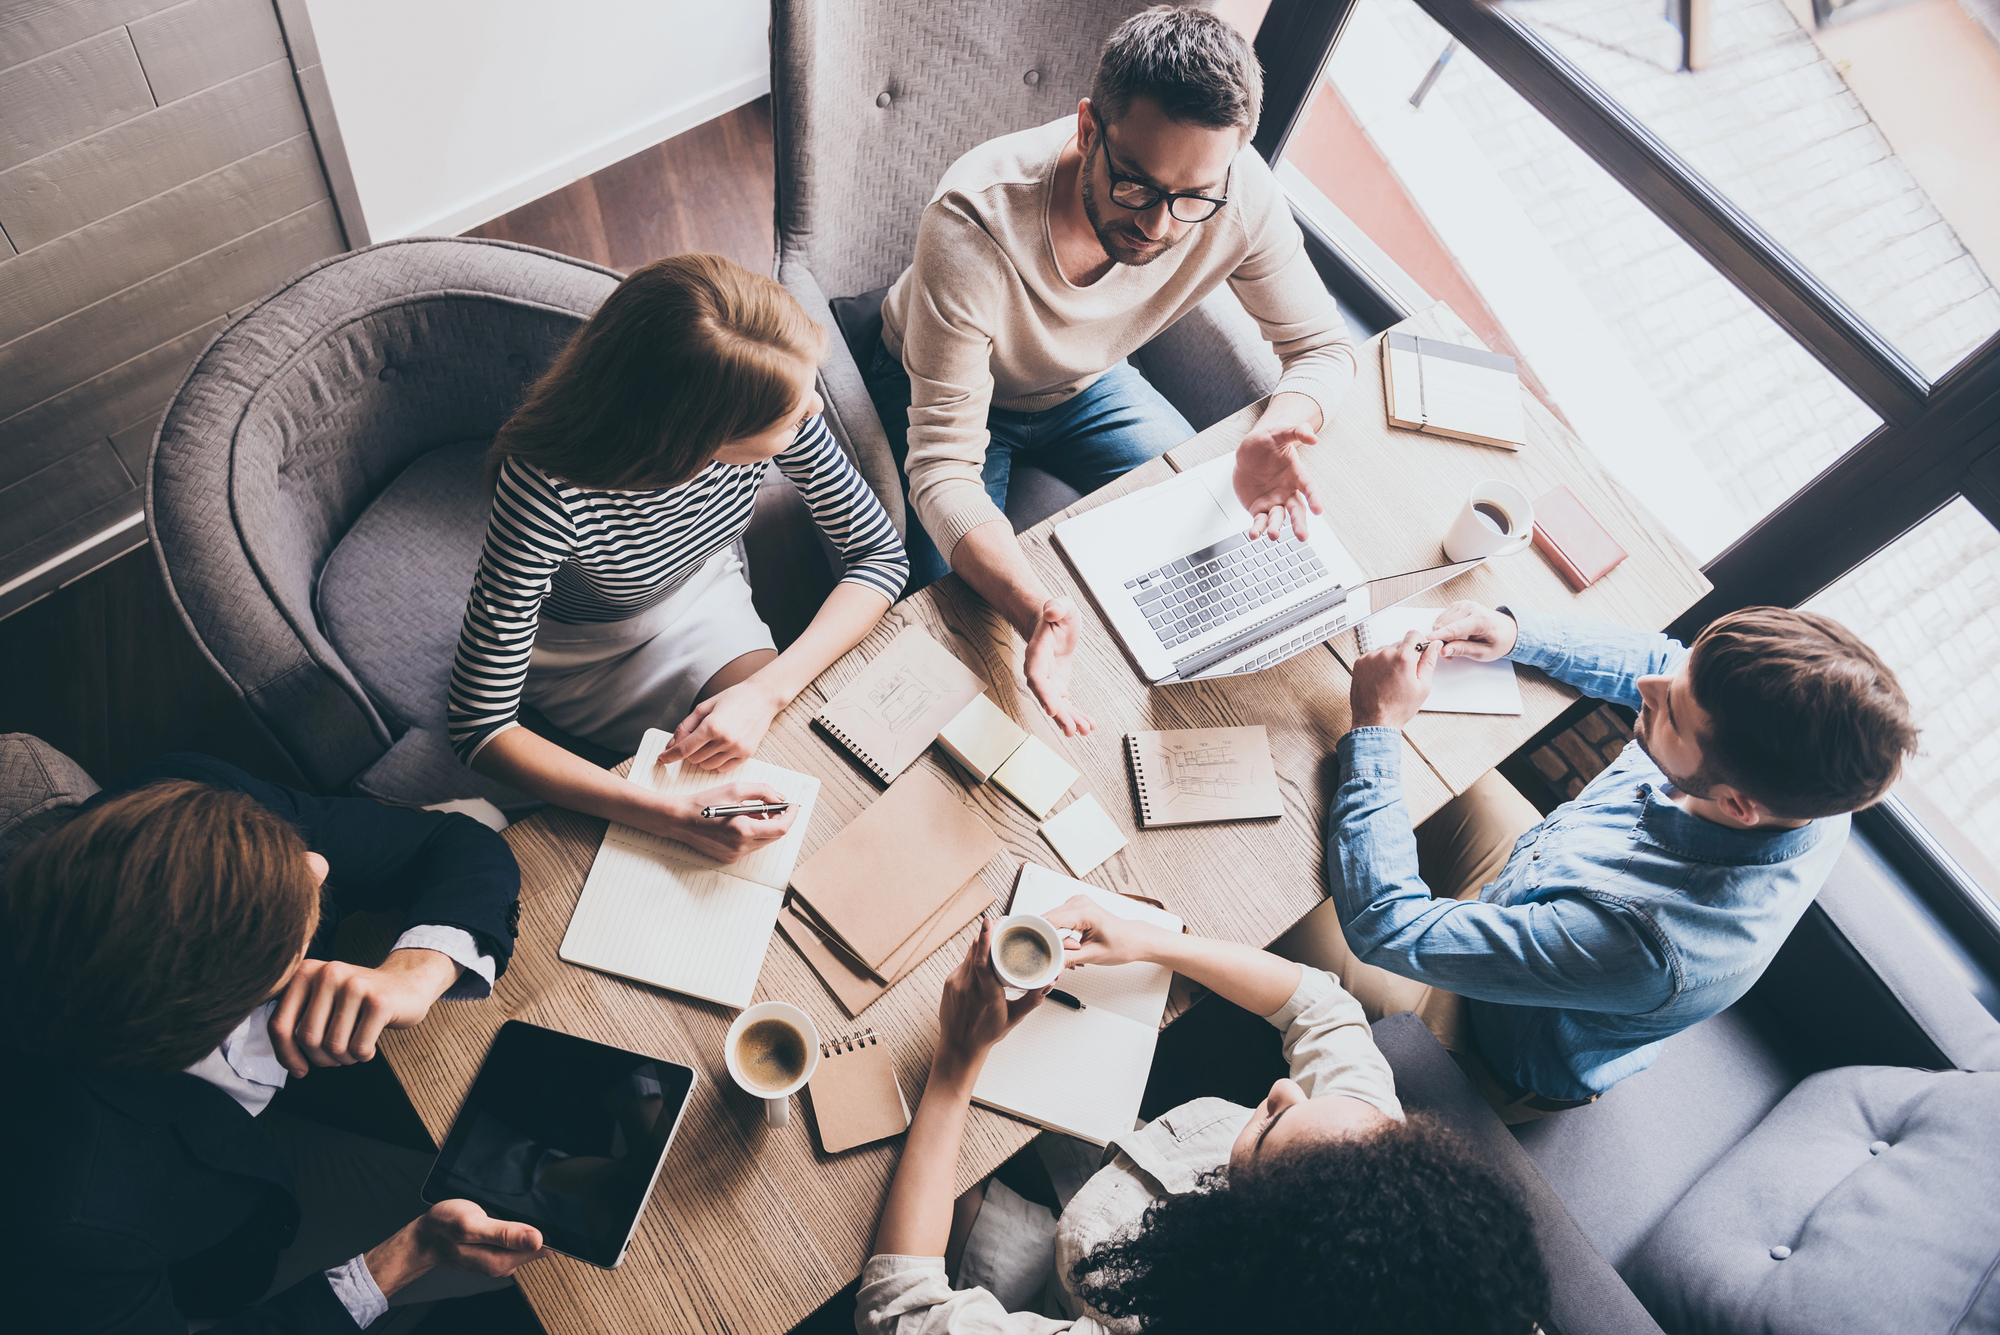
<point>1398,1233</point>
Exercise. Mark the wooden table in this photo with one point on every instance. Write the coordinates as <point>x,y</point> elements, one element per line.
<point>749,1229</point>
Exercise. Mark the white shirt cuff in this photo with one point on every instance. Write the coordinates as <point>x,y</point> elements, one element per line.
<point>358,1292</point>
<point>475,979</point>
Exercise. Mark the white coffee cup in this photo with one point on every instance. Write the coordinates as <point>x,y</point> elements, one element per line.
<point>777,1097</point>
<point>1496,520</point>
<point>1011,939</point>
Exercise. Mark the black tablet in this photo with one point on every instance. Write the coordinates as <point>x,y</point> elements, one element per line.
<point>564,1134</point>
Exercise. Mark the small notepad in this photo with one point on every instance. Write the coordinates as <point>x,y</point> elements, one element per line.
<point>982,738</point>
<point>892,709</point>
<point>1084,835</point>
<point>655,911</point>
<point>856,1098</point>
<point>1458,685</point>
<point>1186,776</point>
<point>1036,777</point>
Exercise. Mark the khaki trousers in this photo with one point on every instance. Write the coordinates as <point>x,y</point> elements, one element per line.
<point>1460,849</point>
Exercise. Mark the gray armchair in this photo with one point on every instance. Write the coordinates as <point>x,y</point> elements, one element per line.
<point>871,101</point>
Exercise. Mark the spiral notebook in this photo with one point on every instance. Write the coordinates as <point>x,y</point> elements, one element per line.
<point>1194,775</point>
<point>897,705</point>
<point>855,1096</point>
<point>655,911</point>
<point>1458,685</point>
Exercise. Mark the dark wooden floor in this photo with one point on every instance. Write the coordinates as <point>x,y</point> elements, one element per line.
<point>105,671</point>
<point>708,190</point>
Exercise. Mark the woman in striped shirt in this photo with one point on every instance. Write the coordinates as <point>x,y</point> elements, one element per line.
<point>610,594</point>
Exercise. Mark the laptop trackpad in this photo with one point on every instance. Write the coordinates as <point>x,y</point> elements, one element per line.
<point>1185,517</point>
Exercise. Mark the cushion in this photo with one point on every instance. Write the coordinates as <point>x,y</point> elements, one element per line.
<point>40,789</point>
<point>421,769</point>
<point>860,321</point>
<point>1868,1201</point>
<point>392,593</point>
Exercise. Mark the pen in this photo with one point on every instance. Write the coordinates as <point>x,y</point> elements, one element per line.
<point>724,810</point>
<point>1062,998</point>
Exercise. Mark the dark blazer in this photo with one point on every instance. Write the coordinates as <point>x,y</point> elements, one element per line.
<point>136,1201</point>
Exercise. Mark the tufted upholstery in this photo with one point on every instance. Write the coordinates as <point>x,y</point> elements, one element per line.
<point>1867,1202</point>
<point>40,788</point>
<point>872,100</point>
<point>294,421</point>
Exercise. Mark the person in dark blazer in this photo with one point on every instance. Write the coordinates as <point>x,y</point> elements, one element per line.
<point>163,971</point>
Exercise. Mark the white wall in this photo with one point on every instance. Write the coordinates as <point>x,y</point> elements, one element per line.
<point>452,112</point>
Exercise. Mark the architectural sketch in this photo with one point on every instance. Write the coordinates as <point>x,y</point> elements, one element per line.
<point>1209,770</point>
<point>900,699</point>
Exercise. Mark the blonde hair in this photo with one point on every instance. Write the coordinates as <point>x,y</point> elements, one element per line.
<point>687,354</point>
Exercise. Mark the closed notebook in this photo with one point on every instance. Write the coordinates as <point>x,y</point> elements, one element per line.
<point>855,1096</point>
<point>655,911</point>
<point>855,986</point>
<point>1187,776</point>
<point>1458,685</point>
<point>896,705</point>
<point>875,884</point>
<point>1445,389</point>
<point>1081,1072</point>
<point>1579,547</point>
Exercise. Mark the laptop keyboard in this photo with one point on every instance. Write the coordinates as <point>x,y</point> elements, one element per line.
<point>1184,598</point>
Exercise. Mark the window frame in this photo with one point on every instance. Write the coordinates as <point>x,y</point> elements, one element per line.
<point>1937,441</point>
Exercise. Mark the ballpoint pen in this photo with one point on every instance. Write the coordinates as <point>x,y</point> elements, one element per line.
<point>1062,998</point>
<point>724,810</point>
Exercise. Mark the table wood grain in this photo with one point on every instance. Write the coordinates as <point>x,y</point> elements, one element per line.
<point>750,1229</point>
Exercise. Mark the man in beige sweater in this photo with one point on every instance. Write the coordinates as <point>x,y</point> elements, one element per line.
<point>1043,260</point>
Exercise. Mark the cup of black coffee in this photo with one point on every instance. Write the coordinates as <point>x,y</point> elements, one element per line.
<point>772,1051</point>
<point>1027,951</point>
<point>1496,520</point>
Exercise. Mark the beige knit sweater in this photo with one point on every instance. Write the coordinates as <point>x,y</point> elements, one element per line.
<point>985,318</point>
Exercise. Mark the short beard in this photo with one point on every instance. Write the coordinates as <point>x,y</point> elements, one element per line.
<point>1697,784</point>
<point>1108,237</point>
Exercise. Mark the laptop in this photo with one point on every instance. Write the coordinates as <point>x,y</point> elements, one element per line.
<point>1192,596</point>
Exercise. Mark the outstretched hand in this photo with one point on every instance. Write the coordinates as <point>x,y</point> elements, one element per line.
<point>1272,484</point>
<point>1051,648</point>
<point>455,1233</point>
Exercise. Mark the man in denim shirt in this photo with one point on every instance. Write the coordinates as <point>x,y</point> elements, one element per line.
<point>1656,896</point>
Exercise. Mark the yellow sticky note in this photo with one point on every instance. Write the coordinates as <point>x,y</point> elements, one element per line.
<point>1036,777</point>
<point>981,737</point>
<point>1082,835</point>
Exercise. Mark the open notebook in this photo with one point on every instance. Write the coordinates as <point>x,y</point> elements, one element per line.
<point>1083,1072</point>
<point>1458,685</point>
<point>656,911</point>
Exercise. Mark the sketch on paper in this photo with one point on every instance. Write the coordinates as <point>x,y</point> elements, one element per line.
<point>900,699</point>
<point>1207,769</point>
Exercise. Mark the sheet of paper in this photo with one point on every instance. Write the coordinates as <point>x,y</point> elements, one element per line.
<point>1036,777</point>
<point>770,865</point>
<point>1083,835</point>
<point>1082,1073</point>
<point>682,928</point>
<point>893,708</point>
<point>1459,685</point>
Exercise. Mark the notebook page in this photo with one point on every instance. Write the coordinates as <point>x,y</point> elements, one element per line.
<point>1458,685</point>
<point>682,928</point>
<point>1136,991</point>
<point>1079,1072</point>
<point>770,865</point>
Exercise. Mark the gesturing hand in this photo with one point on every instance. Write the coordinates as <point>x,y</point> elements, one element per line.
<point>1107,938</point>
<point>1475,632</point>
<point>729,838</point>
<point>1391,684</point>
<point>1047,665</point>
<point>974,1013</point>
<point>332,1014</point>
<point>727,727</point>
<point>457,1234</point>
<point>1271,483</point>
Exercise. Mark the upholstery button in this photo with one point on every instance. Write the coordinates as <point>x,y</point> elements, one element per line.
<point>884,100</point>
<point>1878,1147</point>
<point>388,373</point>
<point>1780,1252</point>
<point>1031,78</point>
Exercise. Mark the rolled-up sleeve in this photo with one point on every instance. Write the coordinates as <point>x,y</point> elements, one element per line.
<point>1330,1046</point>
<point>910,1295</point>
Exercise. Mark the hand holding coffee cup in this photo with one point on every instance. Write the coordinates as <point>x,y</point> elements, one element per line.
<point>772,1051</point>
<point>1496,520</point>
<point>1027,952</point>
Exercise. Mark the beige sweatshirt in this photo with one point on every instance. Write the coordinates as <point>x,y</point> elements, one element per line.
<point>984,317</point>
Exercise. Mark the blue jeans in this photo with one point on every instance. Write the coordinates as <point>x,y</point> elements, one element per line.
<point>1103,433</point>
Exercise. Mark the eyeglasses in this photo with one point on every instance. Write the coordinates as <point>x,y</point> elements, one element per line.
<point>1137,196</point>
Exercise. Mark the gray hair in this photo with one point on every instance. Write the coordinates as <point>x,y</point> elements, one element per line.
<point>1197,67</point>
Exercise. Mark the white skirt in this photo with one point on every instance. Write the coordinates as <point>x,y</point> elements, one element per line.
<point>610,681</point>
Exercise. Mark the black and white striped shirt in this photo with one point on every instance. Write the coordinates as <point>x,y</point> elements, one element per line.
<point>581,557</point>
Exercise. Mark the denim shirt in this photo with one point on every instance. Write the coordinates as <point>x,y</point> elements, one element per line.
<point>1617,922</point>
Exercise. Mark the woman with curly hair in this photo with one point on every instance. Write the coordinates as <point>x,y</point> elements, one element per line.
<point>1324,1208</point>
